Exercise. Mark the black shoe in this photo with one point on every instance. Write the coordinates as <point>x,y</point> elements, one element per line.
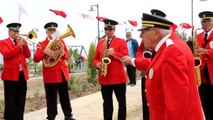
<point>129,83</point>
<point>133,84</point>
<point>69,118</point>
<point>50,118</point>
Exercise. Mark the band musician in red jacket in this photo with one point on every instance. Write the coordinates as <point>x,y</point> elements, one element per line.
<point>15,50</point>
<point>171,87</point>
<point>56,76</point>
<point>112,77</point>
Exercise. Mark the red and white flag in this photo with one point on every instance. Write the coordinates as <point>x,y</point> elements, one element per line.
<point>186,25</point>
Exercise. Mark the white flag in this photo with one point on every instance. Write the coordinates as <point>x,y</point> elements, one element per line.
<point>21,11</point>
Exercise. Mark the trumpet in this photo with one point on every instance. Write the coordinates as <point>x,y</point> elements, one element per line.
<point>32,35</point>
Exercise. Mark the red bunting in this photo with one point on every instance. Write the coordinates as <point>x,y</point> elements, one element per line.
<point>101,18</point>
<point>186,25</point>
<point>59,12</point>
<point>1,20</point>
<point>173,27</point>
<point>133,23</point>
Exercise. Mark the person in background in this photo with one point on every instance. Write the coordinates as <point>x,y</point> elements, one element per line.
<point>189,42</point>
<point>205,50</point>
<point>15,50</point>
<point>115,78</point>
<point>132,47</point>
<point>56,77</point>
<point>170,75</point>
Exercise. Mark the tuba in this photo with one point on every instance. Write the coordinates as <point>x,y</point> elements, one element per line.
<point>197,57</point>
<point>105,60</point>
<point>57,47</point>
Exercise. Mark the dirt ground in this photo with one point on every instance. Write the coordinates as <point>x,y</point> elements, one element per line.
<point>36,96</point>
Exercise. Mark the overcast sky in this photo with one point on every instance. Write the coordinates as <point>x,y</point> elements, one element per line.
<point>38,14</point>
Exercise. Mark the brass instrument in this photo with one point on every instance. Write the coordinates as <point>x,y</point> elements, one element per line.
<point>197,57</point>
<point>57,47</point>
<point>147,53</point>
<point>30,35</point>
<point>105,60</point>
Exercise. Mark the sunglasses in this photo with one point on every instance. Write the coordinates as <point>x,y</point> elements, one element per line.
<point>127,35</point>
<point>108,29</point>
<point>14,30</point>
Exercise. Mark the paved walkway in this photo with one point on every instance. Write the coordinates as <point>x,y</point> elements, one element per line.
<point>90,107</point>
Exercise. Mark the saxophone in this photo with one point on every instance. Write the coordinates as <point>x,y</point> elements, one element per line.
<point>197,57</point>
<point>105,59</point>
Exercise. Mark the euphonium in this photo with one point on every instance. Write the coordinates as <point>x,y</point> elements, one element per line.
<point>57,47</point>
<point>105,60</point>
<point>197,58</point>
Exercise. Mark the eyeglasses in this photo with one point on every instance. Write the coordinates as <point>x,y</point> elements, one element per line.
<point>51,29</point>
<point>108,29</point>
<point>128,35</point>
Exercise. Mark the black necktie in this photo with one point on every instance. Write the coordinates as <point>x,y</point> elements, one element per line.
<point>153,54</point>
<point>108,42</point>
<point>205,37</point>
<point>15,41</point>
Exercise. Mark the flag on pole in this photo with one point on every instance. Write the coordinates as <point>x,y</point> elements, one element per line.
<point>86,16</point>
<point>133,23</point>
<point>101,18</point>
<point>21,11</point>
<point>186,25</point>
<point>59,12</point>
<point>1,20</point>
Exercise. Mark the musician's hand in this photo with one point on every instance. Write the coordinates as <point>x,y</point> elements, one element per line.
<point>39,47</point>
<point>63,53</point>
<point>126,60</point>
<point>201,51</point>
<point>49,52</point>
<point>110,51</point>
<point>22,42</point>
<point>99,65</point>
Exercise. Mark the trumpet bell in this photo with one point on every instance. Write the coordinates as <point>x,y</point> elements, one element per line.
<point>32,35</point>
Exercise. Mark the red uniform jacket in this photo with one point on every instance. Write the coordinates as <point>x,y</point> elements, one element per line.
<point>115,72</point>
<point>206,59</point>
<point>171,87</point>
<point>53,74</point>
<point>14,56</point>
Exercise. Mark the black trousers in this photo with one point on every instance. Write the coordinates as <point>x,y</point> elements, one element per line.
<point>120,93</point>
<point>14,98</point>
<point>144,101</point>
<point>131,72</point>
<point>206,96</point>
<point>51,90</point>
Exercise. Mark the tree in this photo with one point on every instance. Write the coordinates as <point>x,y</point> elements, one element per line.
<point>91,70</point>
